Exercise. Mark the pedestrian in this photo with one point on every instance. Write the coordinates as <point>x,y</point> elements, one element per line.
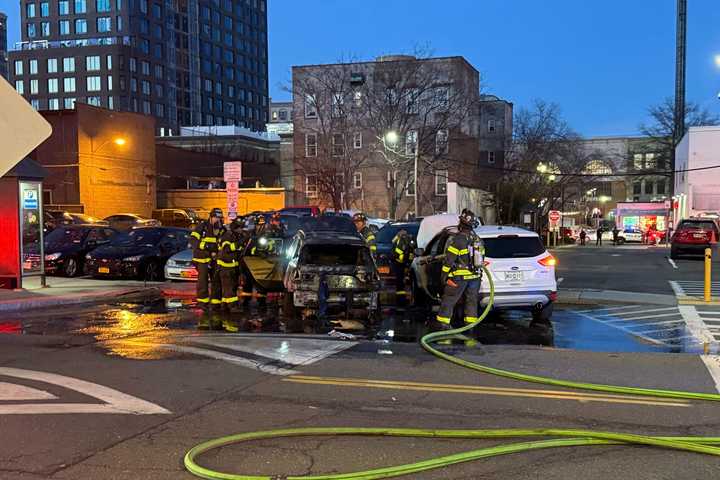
<point>616,234</point>
<point>204,242</point>
<point>461,272</point>
<point>598,235</point>
<point>402,254</point>
<point>231,244</point>
<point>360,221</point>
<point>583,236</point>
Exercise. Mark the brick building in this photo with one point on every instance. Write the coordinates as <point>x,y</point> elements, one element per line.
<point>339,142</point>
<point>495,136</point>
<point>190,62</point>
<point>100,162</point>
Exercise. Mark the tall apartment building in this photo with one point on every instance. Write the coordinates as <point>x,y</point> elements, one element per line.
<point>344,116</point>
<point>3,46</point>
<point>185,62</point>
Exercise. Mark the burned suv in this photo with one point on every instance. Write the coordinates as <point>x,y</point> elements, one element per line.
<point>331,272</point>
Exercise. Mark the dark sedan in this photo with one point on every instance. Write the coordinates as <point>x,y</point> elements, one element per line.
<point>125,221</point>
<point>140,253</point>
<point>384,238</point>
<point>66,247</point>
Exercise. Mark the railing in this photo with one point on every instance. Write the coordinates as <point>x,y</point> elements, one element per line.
<point>78,42</point>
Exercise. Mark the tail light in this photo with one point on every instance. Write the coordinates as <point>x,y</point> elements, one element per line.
<point>548,261</point>
<point>486,263</point>
<point>553,296</point>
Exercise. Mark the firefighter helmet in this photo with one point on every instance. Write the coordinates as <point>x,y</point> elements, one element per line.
<point>468,220</point>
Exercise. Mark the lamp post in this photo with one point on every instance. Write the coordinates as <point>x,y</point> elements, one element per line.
<point>392,138</point>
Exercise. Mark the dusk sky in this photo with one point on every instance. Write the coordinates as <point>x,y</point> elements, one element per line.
<point>604,62</point>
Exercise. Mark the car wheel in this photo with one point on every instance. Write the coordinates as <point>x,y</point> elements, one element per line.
<point>152,272</point>
<point>71,267</point>
<point>621,241</point>
<point>545,314</point>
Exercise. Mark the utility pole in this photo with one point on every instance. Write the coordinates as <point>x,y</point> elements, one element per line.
<point>680,56</point>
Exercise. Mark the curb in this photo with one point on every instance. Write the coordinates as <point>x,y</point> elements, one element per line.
<point>594,297</point>
<point>77,299</point>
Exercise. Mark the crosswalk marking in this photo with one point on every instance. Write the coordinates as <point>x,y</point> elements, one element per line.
<point>642,317</point>
<point>642,310</point>
<point>693,287</point>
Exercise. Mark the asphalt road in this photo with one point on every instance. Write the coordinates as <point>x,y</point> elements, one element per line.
<point>175,384</point>
<point>632,268</point>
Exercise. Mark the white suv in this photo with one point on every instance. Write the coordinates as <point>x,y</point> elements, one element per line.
<point>522,270</point>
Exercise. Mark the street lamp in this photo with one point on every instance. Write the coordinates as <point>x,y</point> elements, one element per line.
<point>119,141</point>
<point>542,168</point>
<point>392,138</point>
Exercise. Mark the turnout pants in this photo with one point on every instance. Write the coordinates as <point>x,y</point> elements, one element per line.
<point>208,284</point>
<point>229,282</point>
<point>399,273</point>
<point>452,295</point>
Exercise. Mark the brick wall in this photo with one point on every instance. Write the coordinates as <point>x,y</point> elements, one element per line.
<point>249,200</point>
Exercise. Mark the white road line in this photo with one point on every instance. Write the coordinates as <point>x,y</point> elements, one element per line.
<point>677,288</point>
<point>712,363</point>
<point>608,309</point>
<point>667,322</point>
<point>560,280</point>
<point>14,392</point>
<point>672,262</point>
<point>623,329</point>
<point>695,324</point>
<point>629,319</point>
<point>115,401</point>
<point>643,311</point>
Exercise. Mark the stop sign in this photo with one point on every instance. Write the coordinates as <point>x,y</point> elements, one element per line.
<point>554,215</point>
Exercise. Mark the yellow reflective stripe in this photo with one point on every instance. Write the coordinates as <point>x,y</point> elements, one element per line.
<point>230,299</point>
<point>462,272</point>
<point>227,264</point>
<point>445,268</point>
<point>464,251</point>
<point>443,319</point>
<point>201,260</point>
<point>252,251</point>
<point>399,251</point>
<point>471,319</point>
<point>370,237</point>
<point>203,300</point>
<point>195,234</point>
<point>401,292</point>
<point>373,247</point>
<point>454,250</point>
<point>210,239</point>
<point>215,301</point>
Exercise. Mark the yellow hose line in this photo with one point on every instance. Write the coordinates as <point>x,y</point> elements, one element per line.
<point>559,437</point>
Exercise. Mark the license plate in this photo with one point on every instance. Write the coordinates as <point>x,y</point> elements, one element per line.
<point>513,276</point>
<point>186,274</point>
<point>103,270</point>
<point>699,235</point>
<point>384,270</point>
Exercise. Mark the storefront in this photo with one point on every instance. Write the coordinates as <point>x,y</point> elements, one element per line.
<point>642,216</point>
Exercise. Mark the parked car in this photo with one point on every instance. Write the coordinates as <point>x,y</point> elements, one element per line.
<point>308,210</point>
<point>522,270</point>
<point>693,236</point>
<point>123,222</point>
<point>383,240</point>
<point>180,266</point>
<point>632,235</point>
<point>66,247</point>
<point>342,261</point>
<point>139,253</point>
<point>607,236</point>
<point>173,217</point>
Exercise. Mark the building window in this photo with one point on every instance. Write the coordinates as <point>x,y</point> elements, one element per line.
<point>133,84</point>
<point>31,31</point>
<point>80,6</point>
<point>156,10</point>
<point>357,140</point>
<point>69,84</point>
<point>33,87</point>
<point>145,87</point>
<point>44,9</point>
<point>35,103</point>
<point>411,142</point>
<point>357,99</point>
<point>64,27</point>
<point>146,107</point>
<point>69,64</point>
<point>159,91</point>
<point>69,103</point>
<point>109,83</point>
<point>109,62</point>
<point>410,187</point>
<point>111,103</point>
<point>158,51</point>
<point>650,161</point>
<point>52,65</point>
<point>338,145</point>
<point>54,104</point>
<point>441,181</point>
<point>33,67</point>
<point>80,25</point>
<point>442,97</point>
<point>119,21</point>
<point>311,187</point>
<point>357,180</point>
<point>310,106</point>
<point>338,101</point>
<point>92,63</point>
<point>64,7</point>
<point>104,24</point>
<point>44,29</point>
<point>159,110</point>
<point>102,5</point>
<point>441,142</point>
<point>145,68</point>
<point>391,179</point>
<point>95,101</point>
<point>637,188</point>
<point>52,85</point>
<point>311,145</point>
<point>491,157</point>
<point>18,67</point>
<point>93,84</point>
<point>491,125</point>
<point>412,96</point>
<point>143,6</point>
<point>133,64</point>
<point>638,161</point>
<point>159,72</point>
<point>20,86</point>
<point>30,10</point>
<point>660,187</point>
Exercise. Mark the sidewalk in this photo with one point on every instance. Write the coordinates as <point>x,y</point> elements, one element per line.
<point>62,291</point>
<point>587,296</point>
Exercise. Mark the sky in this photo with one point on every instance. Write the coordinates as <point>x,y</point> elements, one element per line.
<point>603,61</point>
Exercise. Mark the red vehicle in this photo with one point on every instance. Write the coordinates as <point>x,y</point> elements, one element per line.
<point>693,236</point>
<point>302,210</point>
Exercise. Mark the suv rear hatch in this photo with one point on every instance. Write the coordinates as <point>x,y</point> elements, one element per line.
<point>518,263</point>
<point>688,235</point>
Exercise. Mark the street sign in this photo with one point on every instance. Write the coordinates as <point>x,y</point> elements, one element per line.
<point>232,171</point>
<point>668,204</point>
<point>553,219</point>
<point>231,190</point>
<point>21,127</point>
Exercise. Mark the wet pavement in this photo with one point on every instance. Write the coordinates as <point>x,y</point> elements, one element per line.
<point>133,330</point>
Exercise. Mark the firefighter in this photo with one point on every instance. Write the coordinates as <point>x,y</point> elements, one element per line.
<point>231,244</point>
<point>462,271</point>
<point>360,221</point>
<point>204,242</point>
<point>402,255</point>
